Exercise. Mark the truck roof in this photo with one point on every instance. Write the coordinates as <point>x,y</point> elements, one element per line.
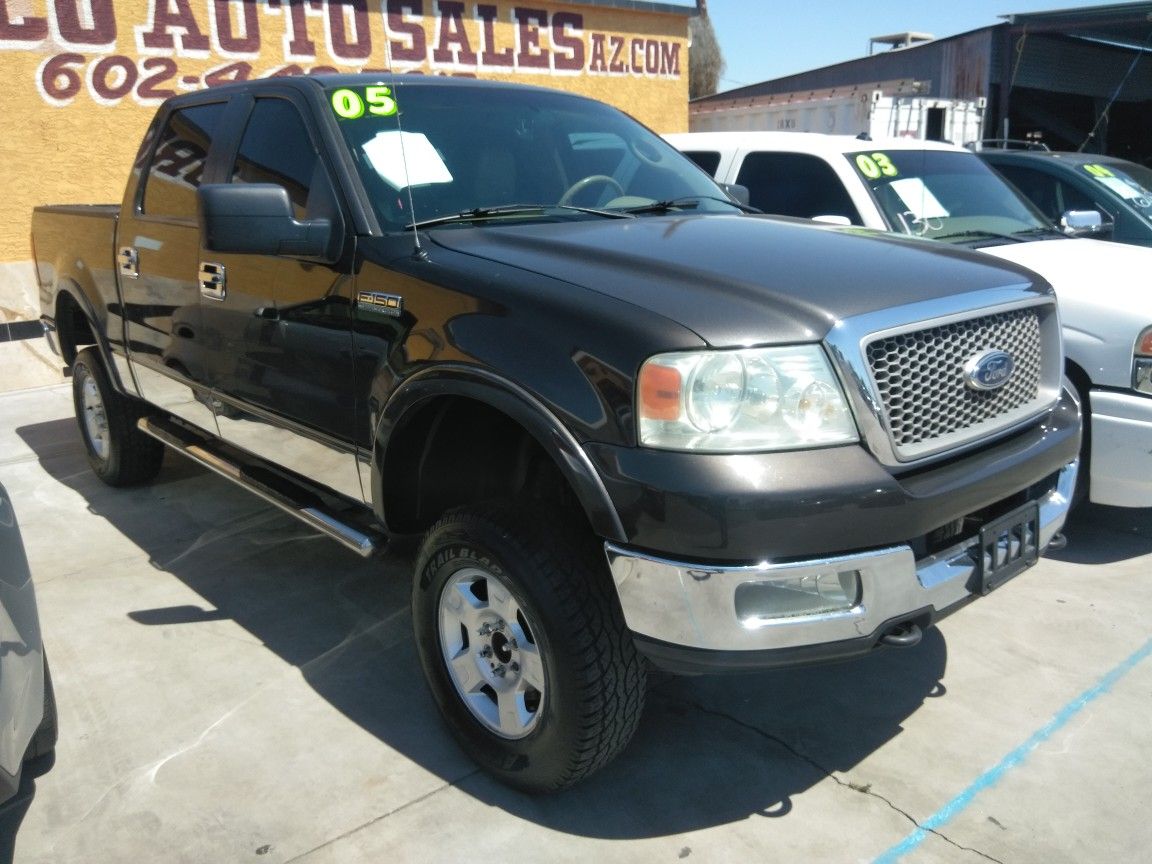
<point>808,142</point>
<point>314,83</point>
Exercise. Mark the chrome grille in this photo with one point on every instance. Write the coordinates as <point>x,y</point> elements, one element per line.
<point>921,383</point>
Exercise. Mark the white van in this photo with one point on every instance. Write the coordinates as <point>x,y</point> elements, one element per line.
<point>949,194</point>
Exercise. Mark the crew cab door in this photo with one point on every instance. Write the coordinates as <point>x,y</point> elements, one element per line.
<point>156,258</point>
<point>280,367</point>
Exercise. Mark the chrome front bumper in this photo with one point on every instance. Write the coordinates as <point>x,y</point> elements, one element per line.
<point>1121,470</point>
<point>696,606</point>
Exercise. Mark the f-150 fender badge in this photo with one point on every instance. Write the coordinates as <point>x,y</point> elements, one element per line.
<point>385,304</point>
<point>989,370</point>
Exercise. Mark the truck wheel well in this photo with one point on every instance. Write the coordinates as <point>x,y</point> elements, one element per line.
<point>73,329</point>
<point>1083,384</point>
<point>455,451</point>
<point>1080,378</point>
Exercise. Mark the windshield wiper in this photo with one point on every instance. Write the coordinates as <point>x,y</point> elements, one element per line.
<point>480,214</point>
<point>978,234</point>
<point>688,202</point>
<point>610,214</point>
<point>1039,232</point>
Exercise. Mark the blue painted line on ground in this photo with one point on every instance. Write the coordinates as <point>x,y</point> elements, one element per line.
<point>993,775</point>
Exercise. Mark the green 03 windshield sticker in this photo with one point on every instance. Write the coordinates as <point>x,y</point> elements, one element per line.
<point>1098,171</point>
<point>351,104</point>
<point>875,165</point>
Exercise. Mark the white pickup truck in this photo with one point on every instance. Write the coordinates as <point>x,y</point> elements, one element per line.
<point>948,194</point>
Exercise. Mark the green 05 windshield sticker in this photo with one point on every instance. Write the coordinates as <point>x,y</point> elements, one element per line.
<point>875,165</point>
<point>352,104</point>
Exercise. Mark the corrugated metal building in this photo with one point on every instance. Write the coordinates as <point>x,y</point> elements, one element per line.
<point>1074,79</point>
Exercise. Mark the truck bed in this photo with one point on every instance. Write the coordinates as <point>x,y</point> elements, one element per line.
<point>76,243</point>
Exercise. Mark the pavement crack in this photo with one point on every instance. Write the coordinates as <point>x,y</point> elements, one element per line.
<point>863,789</point>
<point>451,784</point>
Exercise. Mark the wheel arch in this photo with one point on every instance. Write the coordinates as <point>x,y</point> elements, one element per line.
<point>459,435</point>
<point>78,326</point>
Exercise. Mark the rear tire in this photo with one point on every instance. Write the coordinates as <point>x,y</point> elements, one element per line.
<point>524,646</point>
<point>119,453</point>
<point>43,741</point>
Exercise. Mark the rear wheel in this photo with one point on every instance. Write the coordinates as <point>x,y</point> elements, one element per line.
<point>44,740</point>
<point>524,645</point>
<point>119,453</point>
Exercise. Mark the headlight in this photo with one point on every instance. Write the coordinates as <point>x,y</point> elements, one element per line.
<point>740,401</point>
<point>1142,363</point>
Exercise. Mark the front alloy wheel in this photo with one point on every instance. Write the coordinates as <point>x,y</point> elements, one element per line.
<point>490,653</point>
<point>523,644</point>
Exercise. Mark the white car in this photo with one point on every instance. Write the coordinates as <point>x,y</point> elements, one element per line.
<point>948,194</point>
<point>27,703</point>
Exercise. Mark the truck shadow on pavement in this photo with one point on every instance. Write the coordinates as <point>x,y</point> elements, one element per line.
<point>1104,535</point>
<point>709,751</point>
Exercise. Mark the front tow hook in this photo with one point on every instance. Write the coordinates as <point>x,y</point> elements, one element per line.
<point>903,636</point>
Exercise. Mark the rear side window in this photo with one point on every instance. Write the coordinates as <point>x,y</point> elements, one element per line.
<point>178,166</point>
<point>706,159</point>
<point>795,184</point>
<point>1050,194</point>
<point>276,149</point>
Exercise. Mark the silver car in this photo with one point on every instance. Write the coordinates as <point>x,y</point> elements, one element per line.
<point>27,703</point>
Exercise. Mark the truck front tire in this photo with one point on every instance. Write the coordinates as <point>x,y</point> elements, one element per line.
<point>524,646</point>
<point>119,453</point>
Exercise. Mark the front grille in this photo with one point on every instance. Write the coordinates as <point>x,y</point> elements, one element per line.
<point>921,382</point>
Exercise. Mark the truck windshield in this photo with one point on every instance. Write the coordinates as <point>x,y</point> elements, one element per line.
<point>470,154</point>
<point>1131,182</point>
<point>946,196</point>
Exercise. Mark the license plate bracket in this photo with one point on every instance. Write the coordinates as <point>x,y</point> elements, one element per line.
<point>1008,546</point>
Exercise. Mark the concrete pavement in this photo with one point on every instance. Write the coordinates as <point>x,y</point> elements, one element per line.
<point>235,688</point>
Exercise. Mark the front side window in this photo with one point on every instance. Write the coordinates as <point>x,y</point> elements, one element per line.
<point>177,167</point>
<point>463,148</point>
<point>1050,194</point>
<point>795,184</point>
<point>946,196</point>
<point>709,160</point>
<point>276,149</point>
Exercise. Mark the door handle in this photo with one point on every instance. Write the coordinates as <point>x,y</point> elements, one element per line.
<point>128,262</point>
<point>212,281</point>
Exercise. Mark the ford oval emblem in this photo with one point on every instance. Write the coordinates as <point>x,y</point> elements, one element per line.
<point>988,371</point>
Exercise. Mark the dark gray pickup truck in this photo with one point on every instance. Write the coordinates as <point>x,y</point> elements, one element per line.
<point>629,422</point>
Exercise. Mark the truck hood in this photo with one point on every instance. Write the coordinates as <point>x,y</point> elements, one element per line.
<point>1082,270</point>
<point>738,280</point>
<point>1104,294</point>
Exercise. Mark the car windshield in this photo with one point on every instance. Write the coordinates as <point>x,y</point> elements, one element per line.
<point>946,196</point>
<point>1130,181</point>
<point>469,154</point>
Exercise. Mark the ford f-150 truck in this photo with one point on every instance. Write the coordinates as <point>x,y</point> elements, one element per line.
<point>943,192</point>
<point>631,423</point>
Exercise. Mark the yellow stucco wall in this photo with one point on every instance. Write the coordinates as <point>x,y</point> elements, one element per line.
<point>82,78</point>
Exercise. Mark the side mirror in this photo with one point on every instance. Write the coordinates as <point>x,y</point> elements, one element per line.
<point>1083,223</point>
<point>257,219</point>
<point>737,193</point>
<point>832,220</point>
